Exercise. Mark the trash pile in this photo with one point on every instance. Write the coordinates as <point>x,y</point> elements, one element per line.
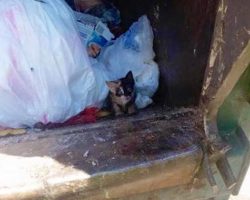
<point>55,61</point>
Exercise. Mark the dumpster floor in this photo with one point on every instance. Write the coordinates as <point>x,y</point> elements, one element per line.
<point>40,159</point>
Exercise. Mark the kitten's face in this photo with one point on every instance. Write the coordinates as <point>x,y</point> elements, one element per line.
<point>122,90</point>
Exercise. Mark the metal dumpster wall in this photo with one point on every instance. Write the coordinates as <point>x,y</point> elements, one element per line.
<point>230,39</point>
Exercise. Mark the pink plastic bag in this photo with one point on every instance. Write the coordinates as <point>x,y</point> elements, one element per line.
<point>45,73</point>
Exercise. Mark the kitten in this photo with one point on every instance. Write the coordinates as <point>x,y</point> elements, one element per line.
<point>122,95</point>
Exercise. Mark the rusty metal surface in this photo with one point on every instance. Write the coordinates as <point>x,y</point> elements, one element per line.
<point>136,139</point>
<point>107,154</point>
<point>232,33</point>
<point>186,27</point>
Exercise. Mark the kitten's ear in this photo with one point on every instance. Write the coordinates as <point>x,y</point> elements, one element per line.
<point>112,85</point>
<point>130,76</point>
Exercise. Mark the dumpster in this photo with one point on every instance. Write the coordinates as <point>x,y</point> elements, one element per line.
<point>193,143</point>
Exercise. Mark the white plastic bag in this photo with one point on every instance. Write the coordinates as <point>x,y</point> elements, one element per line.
<point>45,73</point>
<point>133,51</point>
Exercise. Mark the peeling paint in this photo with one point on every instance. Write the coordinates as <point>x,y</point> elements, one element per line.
<point>216,50</point>
<point>247,30</point>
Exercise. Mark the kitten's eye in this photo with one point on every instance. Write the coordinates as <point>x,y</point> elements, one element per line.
<point>119,92</point>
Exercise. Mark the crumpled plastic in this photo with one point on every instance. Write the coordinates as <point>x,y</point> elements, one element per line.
<point>45,71</point>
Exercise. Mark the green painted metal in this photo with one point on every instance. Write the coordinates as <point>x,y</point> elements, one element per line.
<point>233,118</point>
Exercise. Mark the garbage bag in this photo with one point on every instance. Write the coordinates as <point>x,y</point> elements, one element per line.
<point>45,72</point>
<point>133,51</point>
